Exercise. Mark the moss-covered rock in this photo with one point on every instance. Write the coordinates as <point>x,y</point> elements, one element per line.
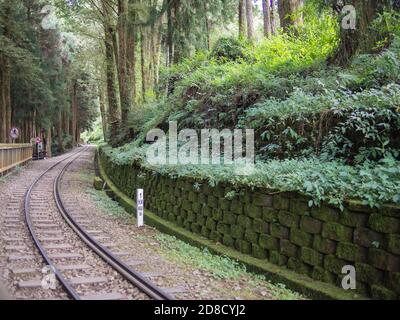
<point>262,200</point>
<point>394,243</point>
<point>253,211</point>
<point>325,214</point>
<point>300,238</point>
<point>324,245</point>
<point>288,219</point>
<point>270,214</point>
<point>368,238</point>
<point>228,240</point>
<point>351,252</point>
<point>223,228</point>
<point>237,231</point>
<point>310,225</point>
<point>277,258</point>
<point>383,260</point>
<point>336,231</point>
<point>367,273</point>
<point>196,228</point>
<point>217,214</point>
<point>280,202</point>
<point>382,293</point>
<point>383,224</point>
<point>298,266</point>
<point>212,201</point>
<point>205,232</point>
<point>216,236</point>
<point>258,252</point>
<point>251,236</point>
<point>244,246</point>
<point>318,273</point>
<point>288,249</point>
<point>229,218</point>
<point>394,281</point>
<point>268,242</point>
<point>334,264</point>
<point>279,231</point>
<point>260,226</point>
<point>299,207</point>
<point>211,224</point>
<point>353,219</point>
<point>311,257</point>
<point>244,221</point>
<point>98,183</point>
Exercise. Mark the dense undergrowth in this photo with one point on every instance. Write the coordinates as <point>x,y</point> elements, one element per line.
<point>327,132</point>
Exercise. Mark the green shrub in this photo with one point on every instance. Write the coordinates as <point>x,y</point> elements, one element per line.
<point>227,49</point>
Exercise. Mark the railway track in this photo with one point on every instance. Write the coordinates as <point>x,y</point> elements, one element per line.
<point>85,268</point>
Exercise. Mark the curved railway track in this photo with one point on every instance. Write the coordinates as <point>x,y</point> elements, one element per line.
<point>34,223</point>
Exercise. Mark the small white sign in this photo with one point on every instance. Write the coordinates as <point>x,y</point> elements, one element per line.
<point>140,207</point>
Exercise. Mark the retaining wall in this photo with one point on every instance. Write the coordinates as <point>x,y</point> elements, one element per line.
<point>279,227</point>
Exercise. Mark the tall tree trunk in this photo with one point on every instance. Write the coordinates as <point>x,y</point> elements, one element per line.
<point>131,56</point>
<point>59,132</point>
<point>170,35</point>
<point>290,13</point>
<point>242,19</point>
<point>178,45</point>
<point>6,73</point>
<point>113,110</point>
<point>157,50</point>
<point>35,133</point>
<point>143,63</point>
<point>250,19</point>
<point>125,88</point>
<point>3,108</point>
<point>65,122</point>
<point>74,108</point>
<point>267,17</point>
<point>103,112</point>
<point>273,19</point>
<point>359,39</point>
<point>49,143</point>
<point>7,93</point>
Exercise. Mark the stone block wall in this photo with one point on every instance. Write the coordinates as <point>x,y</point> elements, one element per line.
<point>279,227</point>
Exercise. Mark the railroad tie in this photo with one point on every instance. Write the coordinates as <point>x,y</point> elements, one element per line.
<point>105,296</point>
<point>87,280</point>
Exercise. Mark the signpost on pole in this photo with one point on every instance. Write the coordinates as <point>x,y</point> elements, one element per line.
<point>140,207</point>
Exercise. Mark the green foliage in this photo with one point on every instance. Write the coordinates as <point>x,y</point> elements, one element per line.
<point>373,183</point>
<point>220,267</point>
<point>227,49</point>
<point>291,52</point>
<point>347,125</point>
<point>387,25</point>
<point>94,135</point>
<point>104,203</point>
<point>326,132</point>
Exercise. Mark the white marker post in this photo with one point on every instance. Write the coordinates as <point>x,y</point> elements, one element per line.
<point>140,207</point>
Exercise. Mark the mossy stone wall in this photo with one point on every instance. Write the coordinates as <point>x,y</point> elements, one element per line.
<point>280,227</point>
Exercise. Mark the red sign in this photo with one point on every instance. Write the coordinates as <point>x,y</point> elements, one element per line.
<point>38,140</point>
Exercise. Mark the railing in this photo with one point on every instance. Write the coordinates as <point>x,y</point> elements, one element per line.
<point>12,155</point>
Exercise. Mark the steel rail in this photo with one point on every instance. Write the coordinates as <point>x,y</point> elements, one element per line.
<point>126,271</point>
<point>67,286</point>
